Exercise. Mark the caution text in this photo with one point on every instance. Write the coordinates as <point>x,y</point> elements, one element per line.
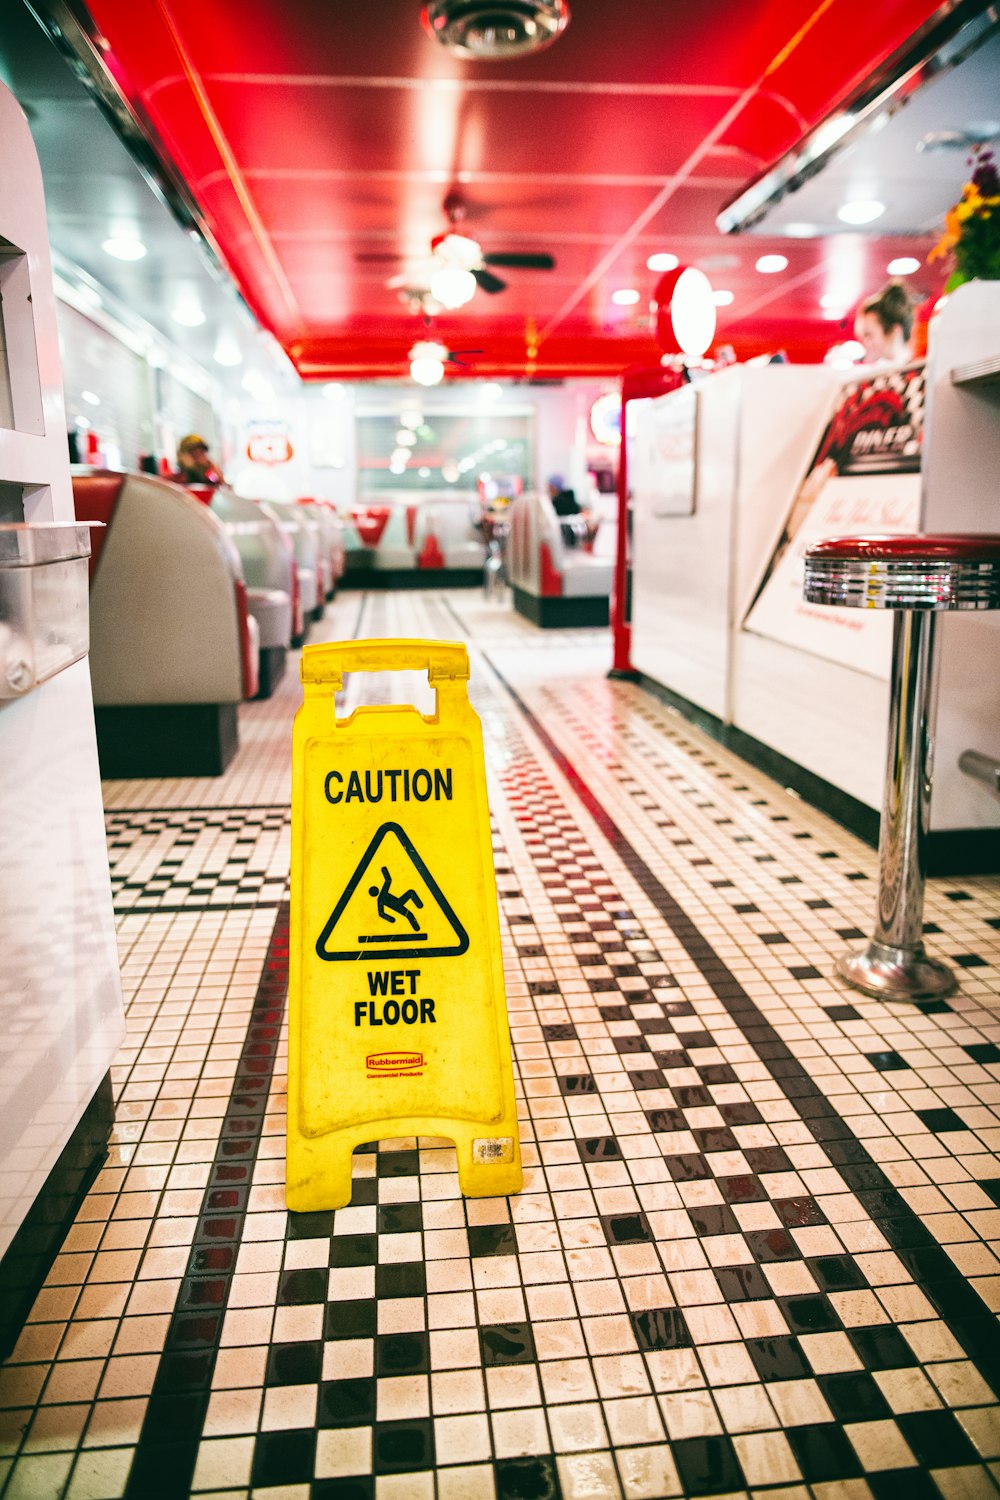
<point>403,785</point>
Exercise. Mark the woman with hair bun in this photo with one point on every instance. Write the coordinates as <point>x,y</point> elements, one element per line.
<point>884,324</point>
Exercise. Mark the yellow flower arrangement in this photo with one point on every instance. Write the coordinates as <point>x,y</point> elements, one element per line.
<point>972,227</point>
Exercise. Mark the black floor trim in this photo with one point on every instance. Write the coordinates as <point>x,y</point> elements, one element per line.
<point>29,1256</point>
<point>932,1269</point>
<point>960,851</point>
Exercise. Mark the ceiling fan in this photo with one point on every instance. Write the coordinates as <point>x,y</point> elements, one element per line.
<point>456,256</point>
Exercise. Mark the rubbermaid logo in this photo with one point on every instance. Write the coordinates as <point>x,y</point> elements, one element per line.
<point>383,1064</point>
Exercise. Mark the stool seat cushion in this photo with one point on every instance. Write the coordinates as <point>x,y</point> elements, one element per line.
<point>960,547</point>
<point>923,572</point>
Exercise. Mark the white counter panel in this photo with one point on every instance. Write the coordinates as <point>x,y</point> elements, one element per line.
<point>680,580</point>
<point>60,999</point>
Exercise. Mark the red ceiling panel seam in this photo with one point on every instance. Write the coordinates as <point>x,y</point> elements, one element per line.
<point>667,192</point>
<point>222,146</point>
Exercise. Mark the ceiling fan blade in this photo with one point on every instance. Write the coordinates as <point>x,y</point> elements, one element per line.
<point>488,281</point>
<point>526,261</point>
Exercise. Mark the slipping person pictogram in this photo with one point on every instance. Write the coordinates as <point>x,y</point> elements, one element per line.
<point>348,934</point>
<point>388,903</point>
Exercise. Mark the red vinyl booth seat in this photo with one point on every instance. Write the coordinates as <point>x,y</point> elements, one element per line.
<point>173,649</point>
<point>553,583</point>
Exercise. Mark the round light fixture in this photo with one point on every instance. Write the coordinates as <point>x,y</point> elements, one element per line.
<point>860,211</point>
<point>458,250</point>
<point>227,352</point>
<point>424,473</point>
<point>124,248</point>
<point>841,356</point>
<point>453,287</point>
<point>411,419</point>
<point>625,296</point>
<point>662,262</point>
<point>427,371</point>
<point>768,265</point>
<point>491,30</point>
<point>903,265</point>
<point>723,298</point>
<point>188,314</point>
<point>683,312</point>
<point>491,391</point>
<point>405,438</point>
<point>798,230</point>
<point>91,398</point>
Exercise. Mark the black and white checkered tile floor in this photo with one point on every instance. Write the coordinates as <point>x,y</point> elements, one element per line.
<point>756,1249</point>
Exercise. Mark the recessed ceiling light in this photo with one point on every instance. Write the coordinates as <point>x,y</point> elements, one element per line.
<point>903,265</point>
<point>227,352</point>
<point>722,298</point>
<point>769,264</point>
<point>860,211</point>
<point>834,299</point>
<point>90,398</point>
<point>625,296</point>
<point>798,230</point>
<point>188,314</point>
<point>123,248</point>
<point>662,262</point>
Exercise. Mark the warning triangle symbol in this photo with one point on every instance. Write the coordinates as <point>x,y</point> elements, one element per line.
<point>392,907</point>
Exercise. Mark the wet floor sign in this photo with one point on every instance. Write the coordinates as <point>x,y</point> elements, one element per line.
<point>397,1018</point>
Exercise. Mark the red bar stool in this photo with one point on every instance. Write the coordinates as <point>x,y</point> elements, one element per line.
<point>917,577</point>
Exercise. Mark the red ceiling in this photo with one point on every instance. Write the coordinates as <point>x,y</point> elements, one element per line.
<point>310,133</point>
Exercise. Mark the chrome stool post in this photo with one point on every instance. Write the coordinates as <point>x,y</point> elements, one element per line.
<point>917,577</point>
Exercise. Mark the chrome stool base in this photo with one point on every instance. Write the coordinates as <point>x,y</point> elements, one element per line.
<point>896,973</point>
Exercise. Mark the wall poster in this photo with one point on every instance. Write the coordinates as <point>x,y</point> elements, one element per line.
<point>864,478</point>
<point>664,463</point>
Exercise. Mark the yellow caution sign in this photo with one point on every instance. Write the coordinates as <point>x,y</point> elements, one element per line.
<point>397,1017</point>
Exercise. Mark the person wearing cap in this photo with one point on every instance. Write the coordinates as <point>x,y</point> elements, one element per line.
<point>194,465</point>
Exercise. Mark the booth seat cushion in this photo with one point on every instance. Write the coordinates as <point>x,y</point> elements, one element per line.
<point>165,624</point>
<point>272,609</point>
<point>307,589</point>
<point>585,575</point>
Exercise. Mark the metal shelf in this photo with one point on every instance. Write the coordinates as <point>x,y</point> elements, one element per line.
<point>979,372</point>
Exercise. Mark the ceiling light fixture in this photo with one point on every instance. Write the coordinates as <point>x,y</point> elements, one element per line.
<point>123,247</point>
<point>427,362</point>
<point>860,211</point>
<point>491,30</point>
<point>723,298</point>
<point>625,296</point>
<point>188,314</point>
<point>227,351</point>
<point>91,398</point>
<point>768,265</point>
<point>799,230</point>
<point>458,250</point>
<point>903,265</point>
<point>453,287</point>
<point>662,262</point>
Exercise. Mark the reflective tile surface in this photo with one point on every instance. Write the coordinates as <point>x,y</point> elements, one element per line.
<point>755,1250</point>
